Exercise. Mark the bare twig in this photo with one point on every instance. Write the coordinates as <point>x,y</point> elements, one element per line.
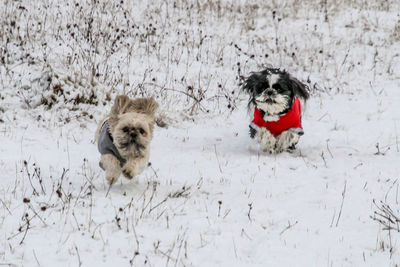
<point>34,254</point>
<point>157,205</point>
<point>390,188</point>
<point>154,171</point>
<point>323,158</point>
<point>341,205</point>
<point>37,173</point>
<point>29,178</point>
<point>109,187</point>
<point>358,165</point>
<point>288,227</point>
<point>84,168</point>
<point>4,204</point>
<point>333,218</point>
<point>379,152</point>
<point>144,207</point>
<point>40,218</point>
<point>136,252</point>
<point>243,233</point>
<point>250,208</point>
<point>216,155</point>
<point>234,247</point>
<point>386,217</point>
<point>79,257</point>
<point>180,248</point>
<point>327,147</point>
<point>91,207</point>
<point>26,231</point>
<point>184,192</point>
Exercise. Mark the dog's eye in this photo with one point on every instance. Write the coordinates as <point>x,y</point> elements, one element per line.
<point>277,86</point>
<point>125,129</point>
<point>142,131</point>
<point>261,87</point>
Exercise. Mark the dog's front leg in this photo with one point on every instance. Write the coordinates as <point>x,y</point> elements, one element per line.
<point>112,167</point>
<point>287,141</point>
<point>134,166</point>
<point>266,140</point>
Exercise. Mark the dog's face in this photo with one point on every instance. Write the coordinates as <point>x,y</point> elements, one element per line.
<point>272,91</point>
<point>132,124</point>
<point>132,132</point>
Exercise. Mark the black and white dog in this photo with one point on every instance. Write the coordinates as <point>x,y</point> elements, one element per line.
<point>275,96</point>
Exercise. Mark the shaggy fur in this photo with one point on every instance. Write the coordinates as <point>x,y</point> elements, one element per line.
<point>131,126</point>
<point>272,91</point>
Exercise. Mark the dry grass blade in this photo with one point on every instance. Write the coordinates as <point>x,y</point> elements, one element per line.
<point>386,217</point>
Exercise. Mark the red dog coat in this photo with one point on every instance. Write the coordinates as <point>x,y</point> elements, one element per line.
<point>291,121</point>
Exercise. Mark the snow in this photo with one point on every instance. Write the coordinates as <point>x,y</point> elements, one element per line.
<point>211,197</point>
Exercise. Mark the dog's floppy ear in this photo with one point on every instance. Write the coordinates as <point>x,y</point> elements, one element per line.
<point>300,89</point>
<point>249,83</point>
<point>149,106</point>
<point>255,80</point>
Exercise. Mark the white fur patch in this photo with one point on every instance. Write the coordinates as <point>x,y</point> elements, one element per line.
<point>272,110</point>
<point>273,79</point>
<point>280,102</point>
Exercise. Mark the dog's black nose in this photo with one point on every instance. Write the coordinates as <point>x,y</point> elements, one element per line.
<point>133,135</point>
<point>269,92</point>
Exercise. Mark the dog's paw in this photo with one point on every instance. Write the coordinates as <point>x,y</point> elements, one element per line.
<point>287,141</point>
<point>291,148</point>
<point>111,180</point>
<point>252,131</point>
<point>269,149</point>
<point>128,172</point>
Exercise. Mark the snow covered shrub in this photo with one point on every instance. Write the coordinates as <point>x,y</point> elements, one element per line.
<point>191,55</point>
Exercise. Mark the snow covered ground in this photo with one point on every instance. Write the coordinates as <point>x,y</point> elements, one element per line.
<point>210,196</point>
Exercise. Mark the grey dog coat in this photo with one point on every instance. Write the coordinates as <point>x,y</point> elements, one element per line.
<point>106,146</point>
